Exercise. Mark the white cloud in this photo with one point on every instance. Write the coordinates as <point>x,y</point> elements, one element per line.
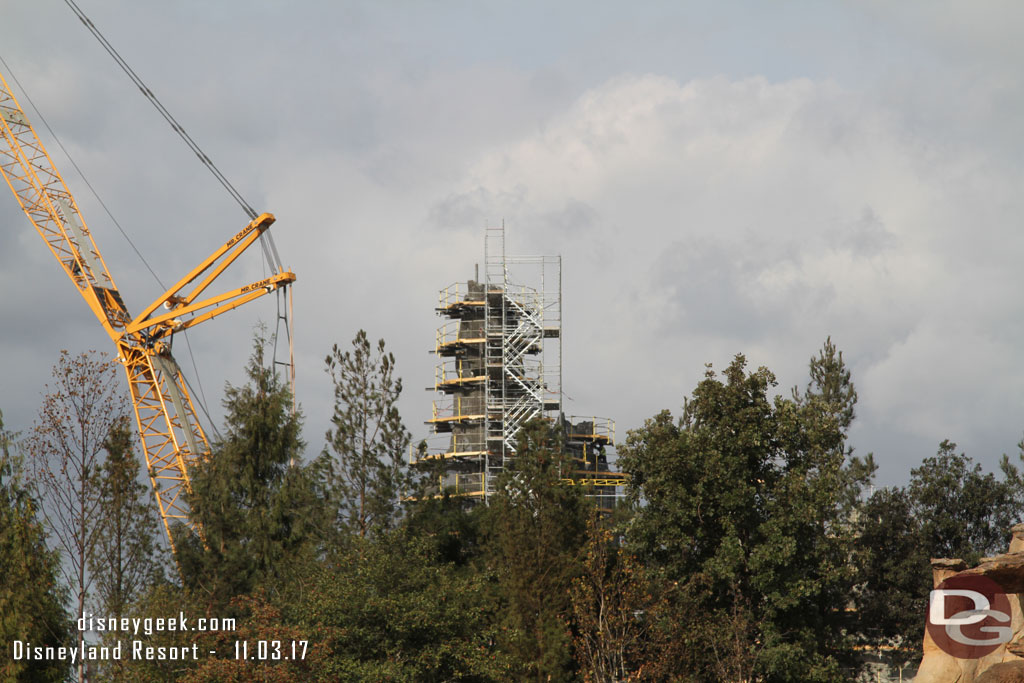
<point>721,216</point>
<point>718,179</point>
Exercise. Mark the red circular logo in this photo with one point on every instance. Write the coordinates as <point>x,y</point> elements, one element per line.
<point>969,616</point>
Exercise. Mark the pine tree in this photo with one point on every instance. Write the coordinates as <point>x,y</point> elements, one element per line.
<point>388,609</point>
<point>128,557</point>
<point>830,393</point>
<point>368,438</point>
<point>254,500</point>
<point>830,383</point>
<point>535,529</point>
<point>31,598</point>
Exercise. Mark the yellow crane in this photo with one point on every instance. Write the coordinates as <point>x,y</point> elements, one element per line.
<point>172,438</point>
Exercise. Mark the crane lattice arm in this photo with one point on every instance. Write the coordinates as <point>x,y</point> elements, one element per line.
<point>172,438</point>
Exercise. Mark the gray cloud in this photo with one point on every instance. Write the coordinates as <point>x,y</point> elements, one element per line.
<point>851,169</point>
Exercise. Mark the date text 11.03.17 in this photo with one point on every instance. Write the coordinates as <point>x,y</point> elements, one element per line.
<point>271,650</point>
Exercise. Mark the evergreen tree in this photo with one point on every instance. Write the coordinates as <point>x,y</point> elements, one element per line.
<point>31,598</point>
<point>451,527</point>
<point>158,600</point>
<point>831,393</point>
<point>535,530</point>
<point>368,438</point>
<point>254,500</point>
<point>390,609</point>
<point>830,383</point>
<point>127,555</point>
<point>127,558</point>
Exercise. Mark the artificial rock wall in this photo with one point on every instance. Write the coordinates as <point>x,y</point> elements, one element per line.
<point>1006,663</point>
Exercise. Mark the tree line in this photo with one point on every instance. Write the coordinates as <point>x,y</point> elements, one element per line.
<point>750,546</point>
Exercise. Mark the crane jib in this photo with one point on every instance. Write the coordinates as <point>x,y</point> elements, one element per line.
<point>172,438</point>
<point>113,305</point>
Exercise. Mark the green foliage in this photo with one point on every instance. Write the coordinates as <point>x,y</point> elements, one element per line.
<point>127,555</point>
<point>830,384</point>
<point>31,598</point>
<point>535,530</point>
<point>962,511</point>
<point>830,394</point>
<point>391,609</point>
<point>741,511</point>
<point>747,541</point>
<point>160,599</point>
<point>950,509</point>
<point>895,575</point>
<point>253,498</point>
<point>367,438</point>
<point>261,621</point>
<point>451,529</point>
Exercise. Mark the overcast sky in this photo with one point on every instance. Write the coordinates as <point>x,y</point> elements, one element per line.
<point>718,177</point>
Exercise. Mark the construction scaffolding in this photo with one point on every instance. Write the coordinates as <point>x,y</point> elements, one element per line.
<point>500,366</point>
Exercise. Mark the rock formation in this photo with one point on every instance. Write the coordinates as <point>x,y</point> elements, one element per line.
<point>1006,663</point>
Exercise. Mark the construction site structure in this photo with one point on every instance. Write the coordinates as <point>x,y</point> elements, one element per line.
<point>499,367</point>
<point>172,438</point>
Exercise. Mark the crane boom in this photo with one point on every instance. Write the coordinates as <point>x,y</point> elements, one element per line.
<point>172,438</point>
<point>48,203</point>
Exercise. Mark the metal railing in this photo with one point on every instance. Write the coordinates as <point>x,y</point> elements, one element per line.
<point>452,372</point>
<point>458,293</point>
<point>591,428</point>
<point>454,408</point>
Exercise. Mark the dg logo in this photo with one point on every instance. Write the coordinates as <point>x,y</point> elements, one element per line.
<point>969,616</point>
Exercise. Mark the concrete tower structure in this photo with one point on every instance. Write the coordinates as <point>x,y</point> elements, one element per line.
<point>500,366</point>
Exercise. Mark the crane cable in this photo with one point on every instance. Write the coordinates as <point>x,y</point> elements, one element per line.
<point>269,252</point>
<point>201,398</point>
<point>266,239</point>
<point>40,117</point>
